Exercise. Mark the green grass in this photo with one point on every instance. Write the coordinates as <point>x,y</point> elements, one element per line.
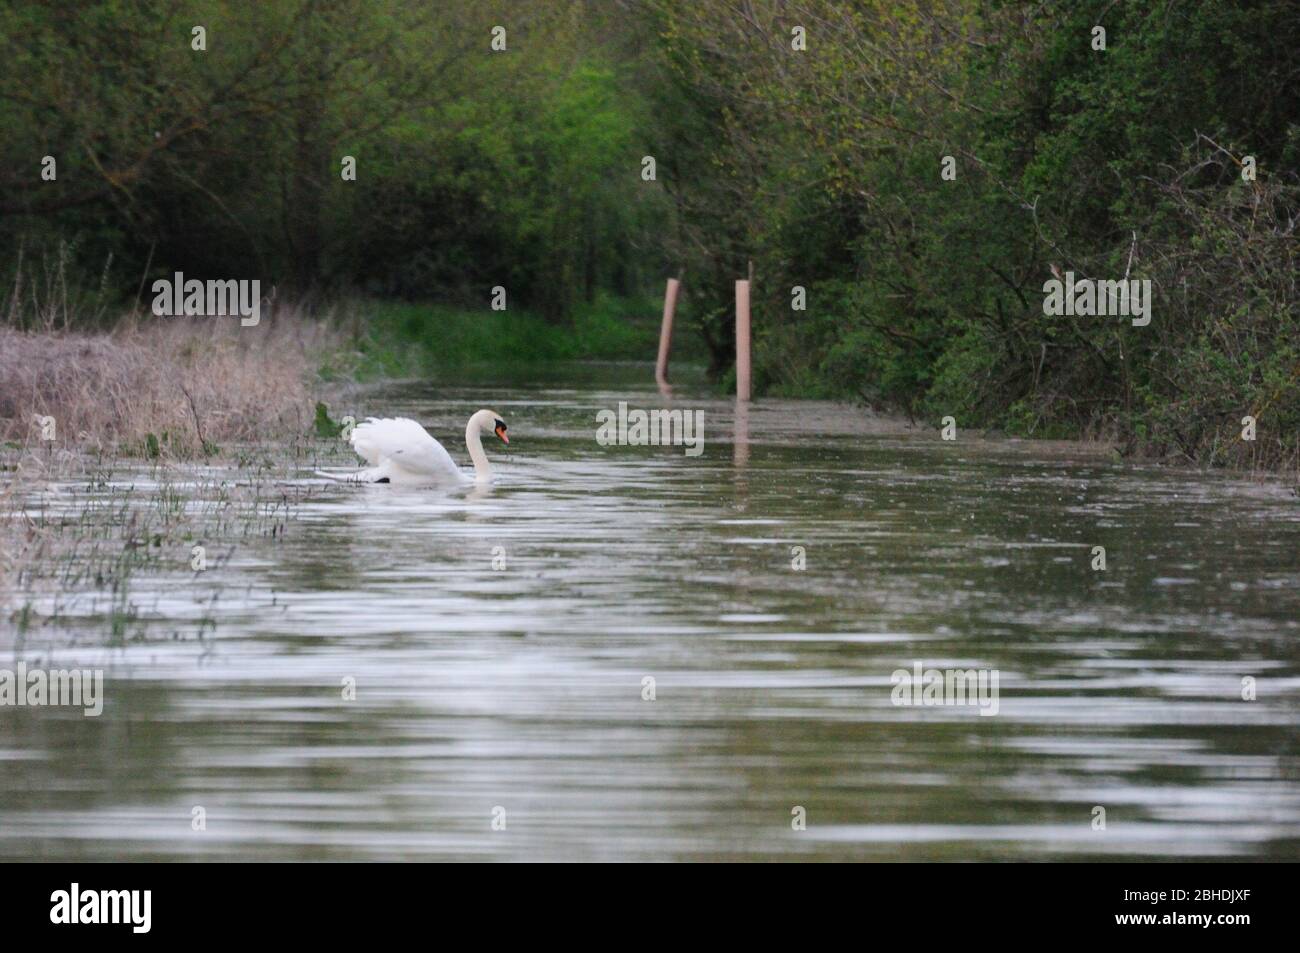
<point>405,339</point>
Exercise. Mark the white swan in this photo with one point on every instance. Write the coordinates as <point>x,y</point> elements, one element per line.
<point>400,451</point>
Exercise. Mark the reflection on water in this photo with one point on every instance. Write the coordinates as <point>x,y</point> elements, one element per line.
<point>521,687</point>
<point>740,438</point>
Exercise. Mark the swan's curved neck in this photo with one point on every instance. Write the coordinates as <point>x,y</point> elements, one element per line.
<point>474,442</point>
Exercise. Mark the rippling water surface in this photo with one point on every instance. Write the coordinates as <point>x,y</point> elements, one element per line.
<point>516,693</point>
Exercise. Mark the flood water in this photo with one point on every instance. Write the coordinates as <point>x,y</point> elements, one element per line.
<point>499,643</point>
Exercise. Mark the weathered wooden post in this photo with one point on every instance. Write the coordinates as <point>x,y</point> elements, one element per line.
<point>742,340</point>
<point>666,332</point>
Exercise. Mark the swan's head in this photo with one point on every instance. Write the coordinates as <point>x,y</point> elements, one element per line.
<point>489,421</point>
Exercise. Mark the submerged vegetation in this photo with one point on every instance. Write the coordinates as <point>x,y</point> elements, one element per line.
<point>67,559</point>
<point>900,177</point>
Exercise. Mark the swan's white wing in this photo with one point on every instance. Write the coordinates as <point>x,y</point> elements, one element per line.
<point>405,444</point>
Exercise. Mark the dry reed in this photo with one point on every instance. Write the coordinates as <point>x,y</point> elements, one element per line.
<point>190,383</point>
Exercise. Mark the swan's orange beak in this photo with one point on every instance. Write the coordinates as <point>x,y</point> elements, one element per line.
<point>501,432</point>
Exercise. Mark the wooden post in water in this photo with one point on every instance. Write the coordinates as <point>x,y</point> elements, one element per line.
<point>742,340</point>
<point>666,332</point>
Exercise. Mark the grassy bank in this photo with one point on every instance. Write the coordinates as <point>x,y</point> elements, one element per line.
<point>402,340</point>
